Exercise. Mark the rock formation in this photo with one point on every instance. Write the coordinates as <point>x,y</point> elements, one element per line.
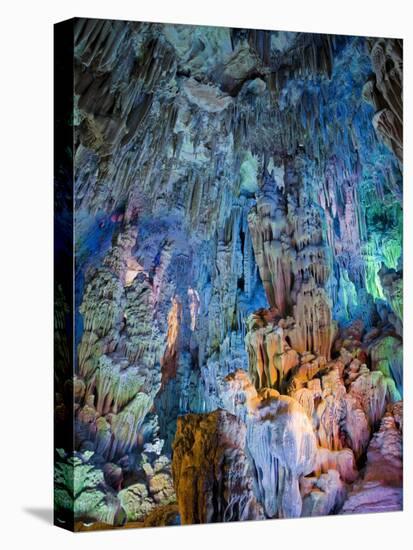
<point>384,91</point>
<point>212,475</point>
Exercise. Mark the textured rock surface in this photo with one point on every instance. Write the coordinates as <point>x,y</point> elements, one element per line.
<point>380,488</point>
<point>283,447</point>
<point>239,296</point>
<point>280,440</point>
<point>212,475</point>
<point>384,91</point>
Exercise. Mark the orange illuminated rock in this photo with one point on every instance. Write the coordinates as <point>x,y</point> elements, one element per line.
<point>212,476</point>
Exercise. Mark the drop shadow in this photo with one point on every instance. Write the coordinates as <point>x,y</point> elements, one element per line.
<point>44,514</point>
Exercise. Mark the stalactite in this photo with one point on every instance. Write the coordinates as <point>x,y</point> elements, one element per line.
<point>384,92</point>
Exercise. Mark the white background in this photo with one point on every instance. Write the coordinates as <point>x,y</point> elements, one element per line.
<point>26,271</point>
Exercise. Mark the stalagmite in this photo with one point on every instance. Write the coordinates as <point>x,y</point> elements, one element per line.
<point>314,328</point>
<point>212,476</point>
<point>270,357</point>
<point>381,486</point>
<point>280,439</point>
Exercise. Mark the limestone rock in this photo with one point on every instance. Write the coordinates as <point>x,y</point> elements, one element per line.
<point>326,495</point>
<point>135,502</point>
<point>211,472</point>
<point>205,97</point>
<point>381,486</point>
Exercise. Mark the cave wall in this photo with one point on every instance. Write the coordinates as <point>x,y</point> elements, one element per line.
<point>238,275</point>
